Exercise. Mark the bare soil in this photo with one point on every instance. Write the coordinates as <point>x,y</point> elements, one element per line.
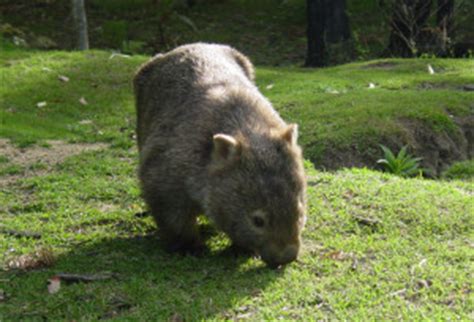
<point>439,149</point>
<point>55,152</point>
<point>381,65</point>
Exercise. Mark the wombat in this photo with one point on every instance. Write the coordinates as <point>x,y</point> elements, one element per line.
<point>210,142</point>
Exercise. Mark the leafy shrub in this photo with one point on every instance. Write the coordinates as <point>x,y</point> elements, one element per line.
<point>403,164</point>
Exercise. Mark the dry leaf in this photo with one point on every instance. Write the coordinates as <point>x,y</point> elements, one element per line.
<point>399,292</point>
<point>431,70</point>
<point>63,78</point>
<point>46,69</point>
<point>339,255</point>
<point>41,104</point>
<point>43,257</point>
<point>85,122</point>
<point>83,101</point>
<point>332,91</point>
<point>119,55</point>
<point>270,86</point>
<point>54,284</point>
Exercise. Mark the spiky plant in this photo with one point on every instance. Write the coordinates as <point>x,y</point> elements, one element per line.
<point>403,164</point>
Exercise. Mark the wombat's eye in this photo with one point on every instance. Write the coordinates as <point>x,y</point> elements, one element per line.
<point>258,222</point>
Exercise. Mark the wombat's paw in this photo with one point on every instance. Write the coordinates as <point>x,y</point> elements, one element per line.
<point>238,251</point>
<point>194,248</point>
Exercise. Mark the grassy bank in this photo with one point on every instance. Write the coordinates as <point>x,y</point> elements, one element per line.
<point>341,119</point>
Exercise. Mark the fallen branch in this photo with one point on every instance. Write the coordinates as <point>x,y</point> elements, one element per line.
<point>77,278</point>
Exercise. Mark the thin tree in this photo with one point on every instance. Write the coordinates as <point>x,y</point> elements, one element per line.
<point>328,32</point>
<point>337,22</point>
<point>80,24</point>
<point>315,56</point>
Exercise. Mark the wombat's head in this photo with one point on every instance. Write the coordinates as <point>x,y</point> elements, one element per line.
<point>257,193</point>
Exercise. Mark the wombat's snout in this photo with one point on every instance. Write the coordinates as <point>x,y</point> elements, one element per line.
<point>274,257</point>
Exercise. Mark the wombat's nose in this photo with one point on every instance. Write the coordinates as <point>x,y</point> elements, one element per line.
<point>289,254</point>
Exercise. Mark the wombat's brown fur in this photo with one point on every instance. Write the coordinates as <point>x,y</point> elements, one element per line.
<point>210,143</point>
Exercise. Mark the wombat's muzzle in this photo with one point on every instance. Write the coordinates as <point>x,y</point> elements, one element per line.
<point>276,258</point>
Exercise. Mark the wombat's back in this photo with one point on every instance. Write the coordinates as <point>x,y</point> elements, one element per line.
<point>168,82</point>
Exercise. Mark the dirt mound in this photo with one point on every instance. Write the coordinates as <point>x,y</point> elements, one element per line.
<point>439,149</point>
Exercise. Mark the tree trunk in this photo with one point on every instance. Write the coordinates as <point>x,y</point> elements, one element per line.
<point>315,10</point>
<point>80,24</point>
<point>337,21</point>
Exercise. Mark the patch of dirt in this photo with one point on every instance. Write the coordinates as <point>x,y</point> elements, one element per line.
<point>55,153</point>
<point>433,85</point>
<point>380,65</point>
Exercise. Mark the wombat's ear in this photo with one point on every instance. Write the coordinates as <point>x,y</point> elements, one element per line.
<point>226,148</point>
<point>290,134</point>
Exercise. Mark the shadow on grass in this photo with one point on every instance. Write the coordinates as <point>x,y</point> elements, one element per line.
<point>147,284</point>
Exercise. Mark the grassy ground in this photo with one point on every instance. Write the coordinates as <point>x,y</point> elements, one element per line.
<point>342,120</point>
<point>375,245</point>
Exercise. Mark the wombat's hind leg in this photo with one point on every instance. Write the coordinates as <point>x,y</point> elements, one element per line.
<point>178,230</point>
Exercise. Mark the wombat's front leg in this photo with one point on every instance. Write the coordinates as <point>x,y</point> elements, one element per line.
<point>178,230</point>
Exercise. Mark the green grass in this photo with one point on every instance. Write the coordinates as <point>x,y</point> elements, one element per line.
<point>376,246</point>
<point>460,170</point>
<point>339,115</point>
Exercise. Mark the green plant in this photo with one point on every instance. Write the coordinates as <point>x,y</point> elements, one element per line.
<point>460,170</point>
<point>403,164</point>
